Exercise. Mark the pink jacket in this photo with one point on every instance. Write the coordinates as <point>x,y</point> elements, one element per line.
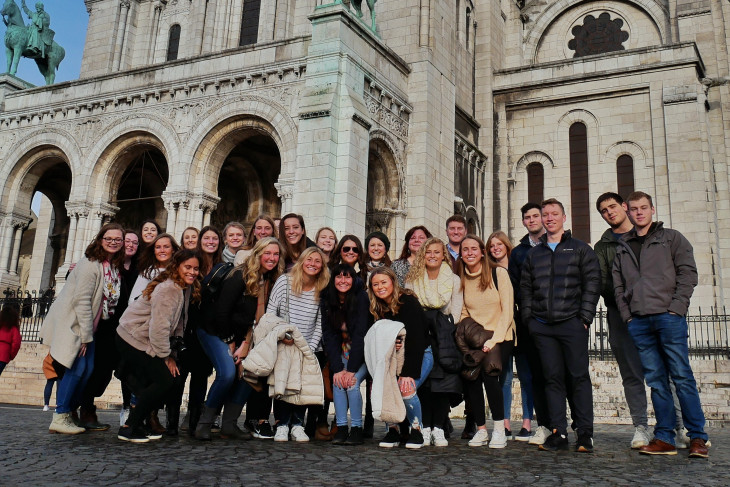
<point>9,343</point>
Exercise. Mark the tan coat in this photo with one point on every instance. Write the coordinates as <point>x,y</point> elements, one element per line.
<point>384,363</point>
<point>293,371</point>
<point>70,319</point>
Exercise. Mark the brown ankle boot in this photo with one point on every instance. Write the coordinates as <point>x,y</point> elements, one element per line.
<point>154,423</point>
<point>90,421</point>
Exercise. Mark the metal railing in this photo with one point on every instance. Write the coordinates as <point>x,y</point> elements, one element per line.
<point>708,335</point>
<point>33,308</point>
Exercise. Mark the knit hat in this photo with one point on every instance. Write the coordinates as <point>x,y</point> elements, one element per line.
<point>380,236</point>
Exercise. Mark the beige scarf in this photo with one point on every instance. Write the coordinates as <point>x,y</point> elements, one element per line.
<point>435,293</point>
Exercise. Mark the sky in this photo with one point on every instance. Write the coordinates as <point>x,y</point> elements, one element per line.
<point>69,20</point>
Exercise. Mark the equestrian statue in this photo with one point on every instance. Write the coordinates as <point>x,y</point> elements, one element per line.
<point>33,41</point>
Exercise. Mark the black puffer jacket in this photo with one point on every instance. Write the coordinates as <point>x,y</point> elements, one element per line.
<point>358,321</point>
<point>560,285</point>
<point>444,376</point>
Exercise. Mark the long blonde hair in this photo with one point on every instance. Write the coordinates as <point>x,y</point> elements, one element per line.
<point>297,273</point>
<point>378,307</point>
<point>502,237</point>
<point>251,267</point>
<point>419,262</point>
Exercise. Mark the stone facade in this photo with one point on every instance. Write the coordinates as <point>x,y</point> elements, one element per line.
<point>195,112</point>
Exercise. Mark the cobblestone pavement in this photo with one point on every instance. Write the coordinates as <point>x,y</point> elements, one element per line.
<point>29,456</point>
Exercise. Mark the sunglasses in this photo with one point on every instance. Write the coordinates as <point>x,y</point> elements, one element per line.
<point>350,249</point>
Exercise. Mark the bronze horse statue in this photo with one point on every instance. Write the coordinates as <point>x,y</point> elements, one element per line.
<point>357,5</point>
<point>16,44</point>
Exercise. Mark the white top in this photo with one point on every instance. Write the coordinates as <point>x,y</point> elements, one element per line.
<point>303,311</point>
<point>141,283</point>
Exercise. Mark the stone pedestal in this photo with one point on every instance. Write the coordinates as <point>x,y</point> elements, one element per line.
<point>10,84</point>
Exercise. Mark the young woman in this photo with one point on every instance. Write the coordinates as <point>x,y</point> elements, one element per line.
<point>241,303</point>
<point>344,325</point>
<point>143,338</point>
<point>500,249</point>
<point>296,296</point>
<point>106,356</point>
<point>91,294</point>
<point>438,290</point>
<point>349,251</point>
<point>326,241</point>
<point>149,230</point>
<point>293,235</point>
<point>389,300</point>
<point>377,246</point>
<point>9,335</point>
<point>153,260</point>
<point>492,306</point>
<point>414,239</point>
<point>234,237</point>
<point>189,238</point>
<point>263,226</point>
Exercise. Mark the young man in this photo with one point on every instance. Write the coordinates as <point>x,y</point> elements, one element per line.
<point>612,208</point>
<point>455,231</point>
<point>560,286</point>
<point>532,221</point>
<point>654,275</point>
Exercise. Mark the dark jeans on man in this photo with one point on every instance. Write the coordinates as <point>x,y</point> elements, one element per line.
<point>526,344</point>
<point>629,365</point>
<point>563,348</point>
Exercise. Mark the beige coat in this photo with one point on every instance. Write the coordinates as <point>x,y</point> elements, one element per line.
<point>70,319</point>
<point>384,363</point>
<point>293,371</point>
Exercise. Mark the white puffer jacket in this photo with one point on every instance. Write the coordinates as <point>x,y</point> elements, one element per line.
<point>293,371</point>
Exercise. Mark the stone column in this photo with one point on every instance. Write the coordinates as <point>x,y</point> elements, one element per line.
<point>18,230</point>
<point>285,190</point>
<point>81,238</point>
<point>8,234</point>
<point>124,5</point>
<point>74,222</point>
<point>203,205</point>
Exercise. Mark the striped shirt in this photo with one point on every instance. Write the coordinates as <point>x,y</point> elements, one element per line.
<point>303,311</point>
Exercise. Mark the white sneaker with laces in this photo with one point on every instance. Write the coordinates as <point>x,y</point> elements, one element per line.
<point>480,438</point>
<point>438,437</point>
<point>541,434</point>
<point>298,434</point>
<point>641,437</point>
<point>427,436</point>
<point>282,433</point>
<point>499,439</point>
<point>123,415</point>
<point>46,408</point>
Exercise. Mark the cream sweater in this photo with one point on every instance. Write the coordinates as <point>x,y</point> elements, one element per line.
<point>492,309</point>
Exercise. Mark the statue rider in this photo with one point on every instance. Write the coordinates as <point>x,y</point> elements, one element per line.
<point>40,35</point>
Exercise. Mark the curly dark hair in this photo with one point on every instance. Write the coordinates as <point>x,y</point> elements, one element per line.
<point>96,253</point>
<point>172,271</point>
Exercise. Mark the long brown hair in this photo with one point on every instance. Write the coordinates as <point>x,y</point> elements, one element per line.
<point>378,307</point>
<point>406,251</point>
<point>148,261</point>
<point>485,277</point>
<point>252,275</point>
<point>207,261</point>
<point>251,238</point>
<point>502,237</point>
<point>96,253</point>
<point>172,271</point>
<point>293,251</point>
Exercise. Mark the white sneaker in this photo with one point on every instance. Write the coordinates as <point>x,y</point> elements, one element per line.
<point>427,436</point>
<point>681,441</point>
<point>282,433</point>
<point>541,434</point>
<point>298,434</point>
<point>438,437</point>
<point>123,415</point>
<point>641,437</point>
<point>480,438</point>
<point>46,408</point>
<point>499,439</point>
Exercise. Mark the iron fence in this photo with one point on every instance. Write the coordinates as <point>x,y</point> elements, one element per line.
<point>33,307</point>
<point>707,335</point>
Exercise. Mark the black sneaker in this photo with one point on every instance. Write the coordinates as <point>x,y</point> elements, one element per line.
<point>250,425</point>
<point>151,434</point>
<point>523,435</point>
<point>369,426</point>
<point>341,435</point>
<point>555,442</point>
<point>508,434</point>
<point>392,439</point>
<point>133,435</point>
<point>263,431</point>
<point>584,444</point>
<point>415,439</point>
<point>355,437</point>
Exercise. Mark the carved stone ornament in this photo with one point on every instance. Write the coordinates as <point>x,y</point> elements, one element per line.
<point>598,35</point>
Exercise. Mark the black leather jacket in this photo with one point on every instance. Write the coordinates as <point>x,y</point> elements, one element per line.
<point>556,286</point>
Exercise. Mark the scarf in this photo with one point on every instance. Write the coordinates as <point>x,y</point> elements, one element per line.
<point>228,256</point>
<point>435,293</point>
<point>111,290</point>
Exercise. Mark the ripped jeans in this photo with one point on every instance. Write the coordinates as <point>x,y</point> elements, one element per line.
<point>413,404</point>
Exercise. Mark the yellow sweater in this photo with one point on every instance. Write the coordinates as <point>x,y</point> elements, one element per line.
<point>492,309</point>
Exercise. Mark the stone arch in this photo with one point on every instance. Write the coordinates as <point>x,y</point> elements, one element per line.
<point>386,196</point>
<point>532,156</point>
<point>534,35</point>
<point>26,174</point>
<point>271,118</point>
<point>629,148</point>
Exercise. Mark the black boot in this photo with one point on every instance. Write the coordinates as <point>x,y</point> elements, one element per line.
<point>229,423</point>
<point>341,435</point>
<point>310,427</point>
<point>470,427</point>
<point>194,411</point>
<point>202,431</point>
<point>173,420</point>
<point>355,437</point>
<point>369,427</point>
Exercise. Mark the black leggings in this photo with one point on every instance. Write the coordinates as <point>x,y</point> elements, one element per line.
<point>473,390</point>
<point>434,407</point>
<point>106,361</point>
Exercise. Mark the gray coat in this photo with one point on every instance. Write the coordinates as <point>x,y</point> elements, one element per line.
<point>661,280</point>
<point>70,319</point>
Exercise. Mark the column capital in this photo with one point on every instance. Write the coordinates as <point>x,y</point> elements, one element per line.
<point>77,209</point>
<point>205,201</point>
<point>105,210</point>
<point>18,220</point>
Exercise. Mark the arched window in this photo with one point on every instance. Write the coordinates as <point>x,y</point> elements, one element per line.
<point>535,182</point>
<point>580,198</point>
<point>250,22</point>
<point>468,28</point>
<point>625,175</point>
<point>173,43</point>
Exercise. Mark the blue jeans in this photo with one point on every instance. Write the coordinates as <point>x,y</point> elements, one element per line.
<point>71,386</point>
<point>413,405</point>
<point>525,376</point>
<point>352,395</point>
<point>226,387</point>
<point>662,344</point>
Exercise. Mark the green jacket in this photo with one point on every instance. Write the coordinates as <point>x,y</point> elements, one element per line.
<point>606,251</point>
